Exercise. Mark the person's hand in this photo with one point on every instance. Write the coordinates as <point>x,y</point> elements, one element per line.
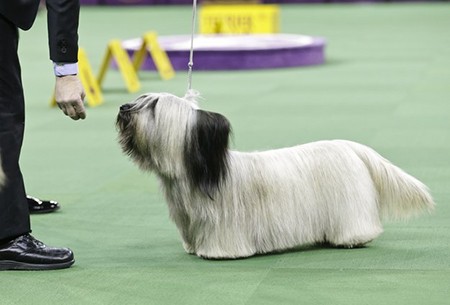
<point>69,95</point>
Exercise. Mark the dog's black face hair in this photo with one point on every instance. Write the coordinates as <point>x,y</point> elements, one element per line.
<point>206,153</point>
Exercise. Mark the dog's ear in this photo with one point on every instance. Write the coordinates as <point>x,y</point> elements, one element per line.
<point>206,154</point>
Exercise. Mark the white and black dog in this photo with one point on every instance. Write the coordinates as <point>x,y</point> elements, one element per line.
<point>230,204</point>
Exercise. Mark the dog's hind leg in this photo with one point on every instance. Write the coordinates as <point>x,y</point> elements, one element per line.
<point>357,226</point>
<point>355,237</point>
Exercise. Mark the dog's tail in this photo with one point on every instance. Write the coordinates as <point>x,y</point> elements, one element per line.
<point>400,195</point>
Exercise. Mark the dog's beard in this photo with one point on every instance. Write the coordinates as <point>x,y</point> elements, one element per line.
<point>132,136</point>
<point>126,131</point>
<point>126,124</point>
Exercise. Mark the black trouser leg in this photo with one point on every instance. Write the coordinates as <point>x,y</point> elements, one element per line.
<point>14,214</point>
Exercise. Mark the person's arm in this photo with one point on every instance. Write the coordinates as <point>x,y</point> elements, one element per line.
<point>62,21</point>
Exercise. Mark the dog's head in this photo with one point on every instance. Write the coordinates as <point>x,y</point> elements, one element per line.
<point>175,138</point>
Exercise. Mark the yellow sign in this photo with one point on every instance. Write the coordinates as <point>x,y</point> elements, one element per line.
<point>91,88</point>
<point>239,19</point>
<point>150,44</point>
<point>124,65</point>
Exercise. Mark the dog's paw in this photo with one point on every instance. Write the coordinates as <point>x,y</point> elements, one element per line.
<point>188,248</point>
<point>352,246</point>
<point>218,258</point>
<point>353,243</point>
<point>221,256</point>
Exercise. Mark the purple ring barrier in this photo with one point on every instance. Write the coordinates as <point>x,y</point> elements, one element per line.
<point>237,52</point>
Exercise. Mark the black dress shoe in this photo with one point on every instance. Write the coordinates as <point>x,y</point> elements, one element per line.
<point>27,253</point>
<point>37,206</point>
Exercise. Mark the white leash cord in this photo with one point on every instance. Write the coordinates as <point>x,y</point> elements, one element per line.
<point>191,54</point>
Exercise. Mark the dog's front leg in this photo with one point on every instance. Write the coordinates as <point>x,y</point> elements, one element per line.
<point>188,248</point>
<point>222,242</point>
<point>186,239</point>
<point>182,222</point>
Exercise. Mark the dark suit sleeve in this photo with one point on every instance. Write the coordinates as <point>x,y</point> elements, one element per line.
<point>62,20</point>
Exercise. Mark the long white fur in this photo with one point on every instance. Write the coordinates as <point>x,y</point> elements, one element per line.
<point>334,192</point>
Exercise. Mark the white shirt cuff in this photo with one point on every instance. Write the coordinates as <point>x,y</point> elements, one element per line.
<point>63,69</point>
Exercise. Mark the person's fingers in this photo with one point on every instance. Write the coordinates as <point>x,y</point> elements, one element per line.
<point>79,110</point>
<point>62,107</point>
<point>69,94</point>
<point>71,111</point>
<point>74,110</point>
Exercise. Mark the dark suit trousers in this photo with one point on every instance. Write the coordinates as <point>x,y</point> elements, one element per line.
<point>14,214</point>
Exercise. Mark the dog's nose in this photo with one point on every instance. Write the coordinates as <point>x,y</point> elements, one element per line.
<point>125,107</point>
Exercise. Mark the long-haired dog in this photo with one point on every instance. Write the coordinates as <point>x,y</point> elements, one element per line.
<point>230,204</point>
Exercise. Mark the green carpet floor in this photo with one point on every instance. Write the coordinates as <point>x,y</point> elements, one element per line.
<point>386,83</point>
